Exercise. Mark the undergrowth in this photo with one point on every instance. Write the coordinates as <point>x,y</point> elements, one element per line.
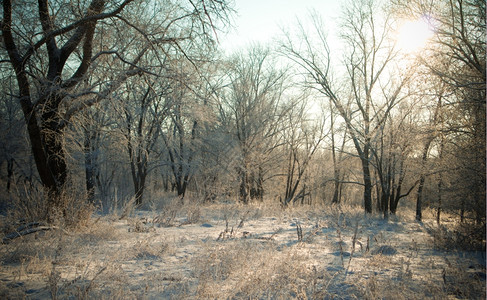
<point>460,236</point>
<point>309,252</point>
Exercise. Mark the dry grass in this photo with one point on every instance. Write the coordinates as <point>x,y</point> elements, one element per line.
<point>176,253</point>
<point>253,269</point>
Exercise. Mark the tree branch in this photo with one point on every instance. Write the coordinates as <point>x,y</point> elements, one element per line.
<point>71,27</point>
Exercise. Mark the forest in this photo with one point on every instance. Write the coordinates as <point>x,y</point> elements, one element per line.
<point>128,116</point>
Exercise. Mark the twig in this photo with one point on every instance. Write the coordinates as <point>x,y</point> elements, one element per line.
<point>128,208</point>
<point>299,231</point>
<point>269,238</point>
<point>340,242</point>
<point>354,240</point>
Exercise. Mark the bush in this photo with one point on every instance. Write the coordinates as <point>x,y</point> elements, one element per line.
<point>461,236</point>
<point>28,206</point>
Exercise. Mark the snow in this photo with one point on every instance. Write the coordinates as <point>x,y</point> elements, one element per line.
<point>236,251</point>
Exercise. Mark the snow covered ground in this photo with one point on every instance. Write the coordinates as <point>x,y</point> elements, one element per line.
<point>229,251</point>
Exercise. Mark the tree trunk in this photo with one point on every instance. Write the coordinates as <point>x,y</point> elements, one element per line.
<point>181,185</point>
<point>385,207</point>
<point>462,210</point>
<point>43,120</point>
<point>54,171</point>
<point>394,200</point>
<point>396,195</point>
<point>139,189</point>
<point>138,166</point>
<point>440,184</point>
<point>244,187</point>
<point>165,181</point>
<point>364,159</point>
<point>419,198</point>
<point>438,209</point>
<point>367,181</point>
<point>89,167</point>
<point>336,171</point>
<point>388,190</point>
<point>378,189</point>
<point>260,185</point>
<point>10,172</point>
<point>419,195</point>
<point>90,180</point>
<point>48,150</point>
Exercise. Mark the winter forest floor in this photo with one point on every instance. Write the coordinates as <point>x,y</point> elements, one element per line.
<point>229,251</point>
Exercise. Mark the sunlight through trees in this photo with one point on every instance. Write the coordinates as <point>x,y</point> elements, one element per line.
<point>127,99</point>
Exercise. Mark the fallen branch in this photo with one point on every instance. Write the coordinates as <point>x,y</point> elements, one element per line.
<point>269,238</point>
<point>25,230</point>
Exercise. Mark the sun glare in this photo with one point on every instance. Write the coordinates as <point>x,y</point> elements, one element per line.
<point>413,35</point>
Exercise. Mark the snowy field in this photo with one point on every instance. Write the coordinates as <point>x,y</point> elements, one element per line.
<point>229,251</point>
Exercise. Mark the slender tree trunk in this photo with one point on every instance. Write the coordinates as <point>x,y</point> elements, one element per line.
<point>419,198</point>
<point>165,181</point>
<point>244,187</point>
<point>478,213</point>
<point>138,166</point>
<point>139,189</point>
<point>260,185</point>
<point>389,180</point>
<point>385,211</point>
<point>289,179</point>
<point>378,192</point>
<point>438,209</point>
<point>10,172</point>
<point>367,180</point>
<point>394,200</point>
<point>89,176</point>
<point>364,159</point>
<point>440,184</point>
<point>422,178</point>
<point>393,192</point>
<point>462,210</point>
<point>341,173</point>
<point>336,171</point>
<point>89,167</point>
<point>397,193</point>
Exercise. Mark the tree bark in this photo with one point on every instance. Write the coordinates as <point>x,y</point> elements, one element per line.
<point>10,172</point>
<point>90,166</point>
<point>336,170</point>
<point>419,195</point>
<point>367,180</point>
<point>44,124</point>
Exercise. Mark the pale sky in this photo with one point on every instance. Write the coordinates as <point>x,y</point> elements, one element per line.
<point>260,20</point>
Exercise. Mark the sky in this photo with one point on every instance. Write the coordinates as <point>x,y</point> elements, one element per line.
<point>261,20</point>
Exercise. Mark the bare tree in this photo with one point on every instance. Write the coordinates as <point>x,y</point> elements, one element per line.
<point>252,101</point>
<point>144,112</point>
<point>391,157</point>
<point>370,92</point>
<point>50,66</point>
<point>302,138</point>
<point>457,58</point>
<point>430,137</point>
<point>180,134</point>
<point>337,156</point>
<point>92,126</point>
